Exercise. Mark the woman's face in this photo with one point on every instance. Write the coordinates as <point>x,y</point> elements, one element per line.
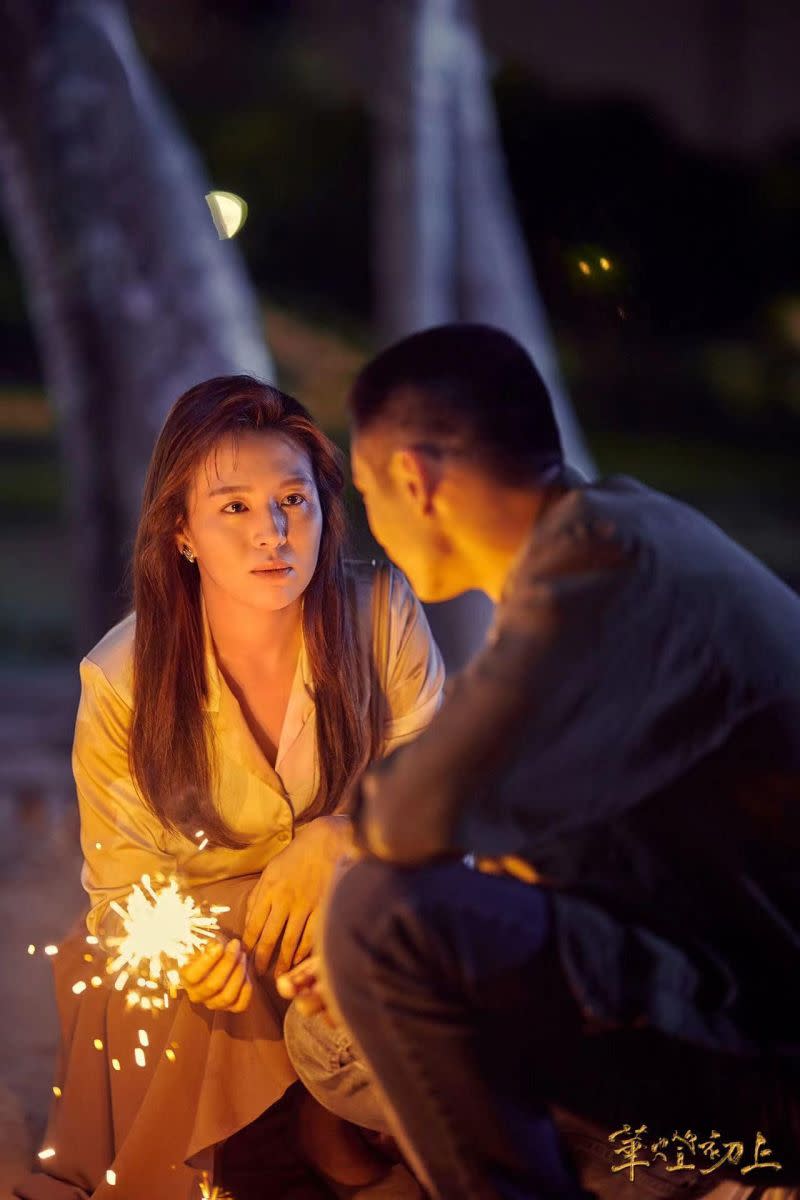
<point>254,520</point>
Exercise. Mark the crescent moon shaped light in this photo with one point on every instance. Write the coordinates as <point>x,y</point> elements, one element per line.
<point>228,212</point>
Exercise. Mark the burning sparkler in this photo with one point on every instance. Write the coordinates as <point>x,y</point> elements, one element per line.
<point>162,930</point>
<point>212,1192</point>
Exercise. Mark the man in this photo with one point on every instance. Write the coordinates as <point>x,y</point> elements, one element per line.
<point>625,748</point>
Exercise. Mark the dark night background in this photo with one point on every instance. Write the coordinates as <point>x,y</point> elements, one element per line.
<point>663,138</point>
<point>653,151</point>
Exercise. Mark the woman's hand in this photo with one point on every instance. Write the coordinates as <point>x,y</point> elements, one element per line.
<point>283,904</point>
<point>218,977</point>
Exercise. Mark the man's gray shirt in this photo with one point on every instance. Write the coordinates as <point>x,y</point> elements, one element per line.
<point>630,728</point>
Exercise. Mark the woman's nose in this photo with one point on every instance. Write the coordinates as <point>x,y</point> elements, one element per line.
<point>272,530</point>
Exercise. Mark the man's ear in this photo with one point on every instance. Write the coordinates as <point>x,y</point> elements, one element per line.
<point>418,475</point>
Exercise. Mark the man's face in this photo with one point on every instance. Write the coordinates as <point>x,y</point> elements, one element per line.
<point>403,518</point>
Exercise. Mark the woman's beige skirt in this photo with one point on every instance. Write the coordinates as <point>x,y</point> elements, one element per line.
<point>147,1096</point>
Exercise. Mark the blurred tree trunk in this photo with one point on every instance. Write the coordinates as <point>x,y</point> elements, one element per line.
<point>132,295</point>
<point>415,234</point>
<point>447,241</point>
<point>496,281</point>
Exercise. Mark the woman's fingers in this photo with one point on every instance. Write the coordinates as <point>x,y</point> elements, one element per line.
<point>269,936</point>
<point>258,911</point>
<point>229,994</point>
<point>290,942</point>
<point>306,943</point>
<point>195,971</point>
<point>216,978</point>
<point>245,996</point>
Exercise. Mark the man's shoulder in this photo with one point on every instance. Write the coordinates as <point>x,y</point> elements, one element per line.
<point>606,506</point>
<point>588,523</point>
<point>594,542</point>
<point>112,656</point>
<point>638,521</point>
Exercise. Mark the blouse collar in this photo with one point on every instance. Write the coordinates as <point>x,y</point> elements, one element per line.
<point>231,723</point>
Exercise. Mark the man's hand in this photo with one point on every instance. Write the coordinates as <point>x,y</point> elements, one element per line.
<point>284,904</point>
<point>305,984</point>
<point>218,977</point>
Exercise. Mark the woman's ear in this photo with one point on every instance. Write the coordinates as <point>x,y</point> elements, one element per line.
<point>183,542</point>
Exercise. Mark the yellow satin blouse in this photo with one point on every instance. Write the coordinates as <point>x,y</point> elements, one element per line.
<point>121,839</point>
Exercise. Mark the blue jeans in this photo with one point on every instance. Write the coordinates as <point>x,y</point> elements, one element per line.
<point>468,1043</point>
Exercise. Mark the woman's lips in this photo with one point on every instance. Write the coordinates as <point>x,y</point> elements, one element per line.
<point>272,572</point>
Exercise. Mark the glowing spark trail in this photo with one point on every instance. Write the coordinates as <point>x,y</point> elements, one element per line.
<point>162,930</point>
<point>207,1192</point>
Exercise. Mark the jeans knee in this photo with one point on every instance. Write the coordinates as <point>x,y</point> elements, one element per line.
<point>329,1069</point>
<point>316,1050</point>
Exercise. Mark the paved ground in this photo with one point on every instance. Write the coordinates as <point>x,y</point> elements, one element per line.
<point>40,895</point>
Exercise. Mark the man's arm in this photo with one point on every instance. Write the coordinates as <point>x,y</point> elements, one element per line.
<point>541,663</point>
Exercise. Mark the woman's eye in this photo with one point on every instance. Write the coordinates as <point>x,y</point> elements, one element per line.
<point>295,499</point>
<point>234,506</point>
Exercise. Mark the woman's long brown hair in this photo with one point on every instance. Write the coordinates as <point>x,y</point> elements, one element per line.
<point>169,749</point>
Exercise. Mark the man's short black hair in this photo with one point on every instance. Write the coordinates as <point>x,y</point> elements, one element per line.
<point>465,389</point>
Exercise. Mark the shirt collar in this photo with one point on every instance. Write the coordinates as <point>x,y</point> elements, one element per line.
<point>230,722</point>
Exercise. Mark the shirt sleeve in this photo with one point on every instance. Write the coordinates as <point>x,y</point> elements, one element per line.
<point>415,670</point>
<point>510,736</point>
<point>120,838</point>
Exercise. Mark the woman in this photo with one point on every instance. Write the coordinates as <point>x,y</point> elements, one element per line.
<point>219,728</point>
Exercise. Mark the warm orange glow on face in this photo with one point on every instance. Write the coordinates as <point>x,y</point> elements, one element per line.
<point>252,507</point>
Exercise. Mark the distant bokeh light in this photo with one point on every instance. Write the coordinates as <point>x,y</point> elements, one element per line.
<point>228,211</point>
